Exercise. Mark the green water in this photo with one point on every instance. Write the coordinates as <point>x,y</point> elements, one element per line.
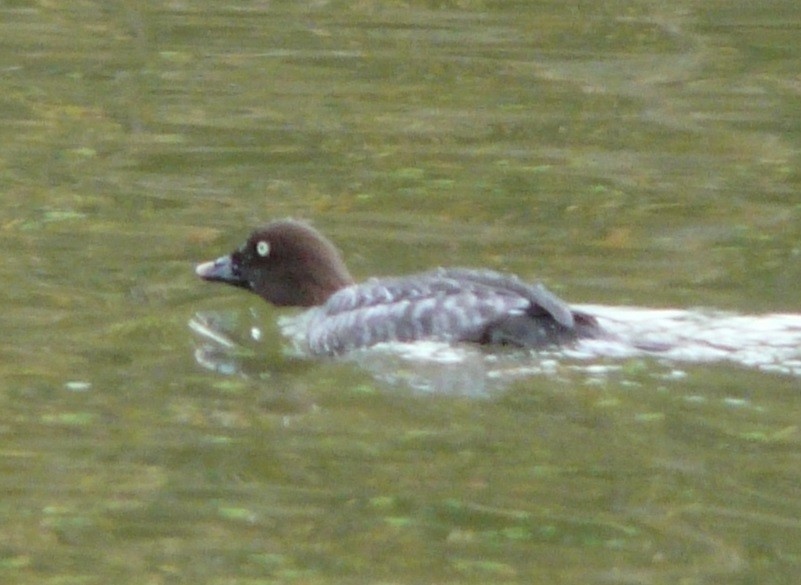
<point>623,152</point>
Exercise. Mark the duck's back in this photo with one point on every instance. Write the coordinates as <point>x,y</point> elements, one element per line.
<point>446,305</point>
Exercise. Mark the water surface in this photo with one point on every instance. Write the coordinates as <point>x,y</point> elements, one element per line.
<point>625,153</point>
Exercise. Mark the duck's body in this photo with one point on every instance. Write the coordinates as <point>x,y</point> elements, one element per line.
<point>288,263</point>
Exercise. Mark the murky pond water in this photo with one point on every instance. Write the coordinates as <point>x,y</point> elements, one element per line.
<point>625,153</point>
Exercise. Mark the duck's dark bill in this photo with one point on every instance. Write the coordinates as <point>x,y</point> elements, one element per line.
<point>220,270</point>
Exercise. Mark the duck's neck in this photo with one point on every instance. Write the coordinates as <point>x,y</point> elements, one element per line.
<point>327,283</point>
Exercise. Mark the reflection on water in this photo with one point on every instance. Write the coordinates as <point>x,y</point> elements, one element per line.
<point>770,343</point>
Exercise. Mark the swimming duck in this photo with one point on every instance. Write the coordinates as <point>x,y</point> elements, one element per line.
<point>290,264</point>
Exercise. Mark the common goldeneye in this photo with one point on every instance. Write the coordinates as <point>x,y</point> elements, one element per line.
<point>289,263</point>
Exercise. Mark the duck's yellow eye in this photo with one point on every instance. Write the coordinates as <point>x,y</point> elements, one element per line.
<point>263,248</point>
